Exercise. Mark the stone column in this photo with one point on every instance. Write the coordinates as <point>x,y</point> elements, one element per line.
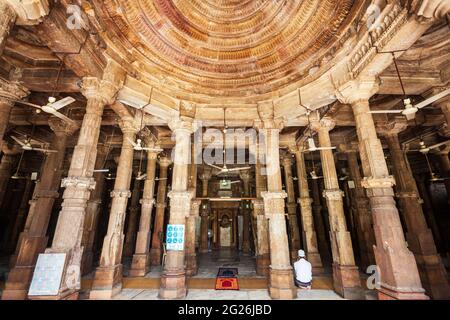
<point>366,237</point>
<point>419,236</point>
<point>140,265</point>
<point>7,18</point>
<point>21,214</point>
<point>6,168</point>
<point>94,206</point>
<point>305,201</point>
<point>9,91</point>
<point>133,215</point>
<point>281,280</point>
<point>108,276</point>
<point>80,182</point>
<point>173,280</point>
<point>445,169</point>
<point>399,276</point>
<point>319,220</point>
<point>262,224</point>
<point>33,239</point>
<point>157,236</point>
<point>191,257</point>
<point>245,177</point>
<point>292,208</point>
<point>345,273</point>
<point>444,105</point>
<point>205,176</point>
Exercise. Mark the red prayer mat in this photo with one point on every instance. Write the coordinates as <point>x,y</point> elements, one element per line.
<point>227,284</point>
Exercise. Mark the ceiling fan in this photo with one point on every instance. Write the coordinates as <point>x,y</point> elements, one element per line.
<point>53,105</point>
<point>410,109</point>
<point>138,146</point>
<point>225,169</point>
<point>27,145</point>
<point>425,149</point>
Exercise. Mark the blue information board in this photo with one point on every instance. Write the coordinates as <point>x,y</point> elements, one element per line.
<point>175,237</point>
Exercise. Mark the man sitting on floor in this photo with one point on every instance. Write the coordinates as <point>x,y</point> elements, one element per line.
<point>303,271</point>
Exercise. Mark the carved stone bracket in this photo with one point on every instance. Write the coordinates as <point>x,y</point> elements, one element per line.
<point>195,208</point>
<point>147,202</point>
<point>375,183</point>
<point>179,201</point>
<point>273,203</point>
<point>333,194</point>
<point>120,194</point>
<point>79,182</point>
<point>305,202</point>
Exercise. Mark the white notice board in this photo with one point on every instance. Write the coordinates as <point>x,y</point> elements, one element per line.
<point>47,274</point>
<point>175,237</point>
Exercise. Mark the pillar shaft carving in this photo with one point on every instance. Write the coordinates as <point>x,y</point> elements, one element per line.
<point>80,181</point>
<point>292,207</point>
<point>141,259</point>
<point>108,276</point>
<point>305,202</point>
<point>280,268</point>
<point>419,236</point>
<point>396,263</point>
<point>33,239</point>
<point>173,281</point>
<point>345,273</point>
<point>156,250</point>
<point>362,207</point>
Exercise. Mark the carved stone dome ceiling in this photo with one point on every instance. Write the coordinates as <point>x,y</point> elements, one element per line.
<point>230,49</point>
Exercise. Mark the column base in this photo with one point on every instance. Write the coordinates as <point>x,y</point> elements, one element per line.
<point>346,282</point>
<point>203,250</point>
<point>155,257</point>
<point>107,282</point>
<point>263,265</point>
<point>20,276</point>
<point>281,284</point>
<point>140,265</point>
<point>316,262</point>
<point>87,262</point>
<point>434,277</point>
<point>388,294</point>
<point>191,265</point>
<point>18,283</point>
<point>173,286</point>
<point>68,295</point>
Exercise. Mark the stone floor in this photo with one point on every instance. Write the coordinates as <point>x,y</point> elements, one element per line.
<point>139,294</point>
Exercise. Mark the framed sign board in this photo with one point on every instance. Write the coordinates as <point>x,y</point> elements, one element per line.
<point>47,274</point>
<point>175,237</point>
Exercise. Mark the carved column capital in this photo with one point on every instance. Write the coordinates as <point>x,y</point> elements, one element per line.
<point>273,203</point>
<point>147,202</point>
<point>195,208</point>
<point>181,124</point>
<point>333,194</point>
<point>11,90</point>
<point>427,10</point>
<point>326,124</point>
<point>392,128</point>
<point>120,194</point>
<point>359,90</point>
<point>29,12</point>
<point>62,128</point>
<point>79,182</point>
<point>286,160</point>
<point>378,183</point>
<point>128,126</point>
<point>94,88</point>
<point>164,162</point>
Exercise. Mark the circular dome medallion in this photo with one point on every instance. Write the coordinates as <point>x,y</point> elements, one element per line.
<point>233,49</point>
